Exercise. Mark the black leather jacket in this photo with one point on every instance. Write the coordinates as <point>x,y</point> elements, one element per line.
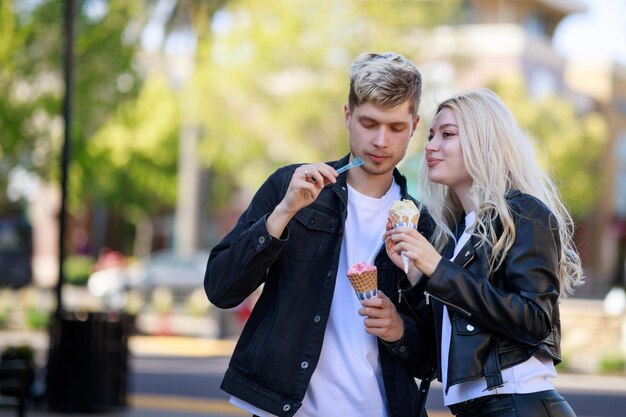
<point>502,319</point>
<point>280,345</point>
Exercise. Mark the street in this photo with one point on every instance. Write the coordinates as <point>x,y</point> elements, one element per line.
<point>196,378</point>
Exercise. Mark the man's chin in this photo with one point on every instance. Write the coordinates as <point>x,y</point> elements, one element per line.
<point>378,169</point>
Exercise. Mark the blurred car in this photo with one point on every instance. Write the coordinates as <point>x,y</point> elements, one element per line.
<point>181,274</point>
<point>163,269</point>
<point>16,249</point>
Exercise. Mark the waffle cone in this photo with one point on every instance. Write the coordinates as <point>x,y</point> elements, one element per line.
<point>365,284</point>
<point>404,213</point>
<point>404,220</point>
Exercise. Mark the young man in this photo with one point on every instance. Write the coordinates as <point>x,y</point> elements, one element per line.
<point>305,350</point>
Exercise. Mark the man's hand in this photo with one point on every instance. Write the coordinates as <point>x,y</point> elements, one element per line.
<point>383,320</point>
<point>305,186</point>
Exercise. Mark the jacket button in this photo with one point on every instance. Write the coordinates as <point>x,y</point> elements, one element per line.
<point>467,253</point>
<point>469,327</point>
<point>262,240</point>
<point>402,349</point>
<point>286,407</point>
<point>304,365</point>
<point>317,318</point>
<point>329,273</point>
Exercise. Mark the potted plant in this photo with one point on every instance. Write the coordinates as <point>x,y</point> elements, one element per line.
<point>17,363</point>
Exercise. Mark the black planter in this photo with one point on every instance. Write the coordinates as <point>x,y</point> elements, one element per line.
<point>88,362</point>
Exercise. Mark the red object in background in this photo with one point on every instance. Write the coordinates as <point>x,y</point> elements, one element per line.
<point>108,258</point>
<point>619,225</point>
<point>244,311</point>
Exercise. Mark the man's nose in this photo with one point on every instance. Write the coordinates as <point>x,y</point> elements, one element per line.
<point>381,139</point>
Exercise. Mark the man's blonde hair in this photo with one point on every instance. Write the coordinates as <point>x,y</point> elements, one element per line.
<point>387,79</point>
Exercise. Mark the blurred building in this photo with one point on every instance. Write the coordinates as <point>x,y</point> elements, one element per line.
<point>493,39</point>
<point>605,81</point>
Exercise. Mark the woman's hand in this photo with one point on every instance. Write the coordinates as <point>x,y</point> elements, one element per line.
<point>412,244</point>
<point>383,320</point>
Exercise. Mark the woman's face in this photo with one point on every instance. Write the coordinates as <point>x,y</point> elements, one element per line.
<point>444,155</point>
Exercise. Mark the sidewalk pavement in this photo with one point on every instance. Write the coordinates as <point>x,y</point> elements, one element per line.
<point>161,406</point>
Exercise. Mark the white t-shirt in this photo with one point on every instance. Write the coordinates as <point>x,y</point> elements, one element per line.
<point>348,378</point>
<point>533,375</point>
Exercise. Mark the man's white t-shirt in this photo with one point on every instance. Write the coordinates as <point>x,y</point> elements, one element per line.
<point>348,378</point>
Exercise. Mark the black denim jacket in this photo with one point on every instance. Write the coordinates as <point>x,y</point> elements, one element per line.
<point>502,319</point>
<point>280,344</point>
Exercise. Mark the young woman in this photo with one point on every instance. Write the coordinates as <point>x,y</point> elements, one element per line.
<point>501,257</point>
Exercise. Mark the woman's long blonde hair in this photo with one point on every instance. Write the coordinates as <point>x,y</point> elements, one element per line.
<point>499,157</point>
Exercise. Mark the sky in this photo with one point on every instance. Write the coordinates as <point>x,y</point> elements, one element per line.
<point>598,33</point>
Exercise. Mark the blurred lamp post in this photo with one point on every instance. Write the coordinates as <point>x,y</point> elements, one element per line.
<point>68,75</point>
<point>180,49</point>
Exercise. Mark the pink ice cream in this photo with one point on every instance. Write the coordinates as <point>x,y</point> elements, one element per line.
<point>360,268</point>
<point>364,280</point>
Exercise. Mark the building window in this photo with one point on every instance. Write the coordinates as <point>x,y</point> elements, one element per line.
<point>537,24</point>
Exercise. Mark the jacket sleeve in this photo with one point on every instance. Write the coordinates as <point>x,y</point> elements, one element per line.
<point>521,305</point>
<point>239,263</point>
<point>417,348</point>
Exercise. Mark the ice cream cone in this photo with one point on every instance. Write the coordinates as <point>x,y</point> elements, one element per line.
<point>404,213</point>
<point>364,280</point>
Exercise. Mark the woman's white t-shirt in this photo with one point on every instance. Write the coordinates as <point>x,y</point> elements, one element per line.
<point>533,375</point>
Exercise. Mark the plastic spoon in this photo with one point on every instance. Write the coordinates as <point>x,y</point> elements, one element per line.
<point>356,162</point>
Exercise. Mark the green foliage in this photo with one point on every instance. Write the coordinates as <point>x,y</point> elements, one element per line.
<point>31,85</point>
<point>4,319</point>
<point>612,363</point>
<point>36,318</point>
<point>570,145</point>
<point>138,150</point>
<point>271,83</point>
<point>564,365</point>
<point>77,269</point>
<point>268,87</point>
<point>7,301</point>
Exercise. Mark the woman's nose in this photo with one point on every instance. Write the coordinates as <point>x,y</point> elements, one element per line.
<point>431,145</point>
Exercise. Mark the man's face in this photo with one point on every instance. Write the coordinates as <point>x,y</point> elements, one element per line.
<point>380,136</point>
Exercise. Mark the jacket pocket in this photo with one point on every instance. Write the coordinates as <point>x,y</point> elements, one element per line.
<point>310,231</point>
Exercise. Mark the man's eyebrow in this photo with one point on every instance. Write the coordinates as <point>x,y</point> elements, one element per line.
<point>373,119</point>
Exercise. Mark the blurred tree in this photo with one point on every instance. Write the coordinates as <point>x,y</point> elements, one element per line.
<point>268,88</point>
<point>272,81</point>
<point>570,145</point>
<point>31,86</point>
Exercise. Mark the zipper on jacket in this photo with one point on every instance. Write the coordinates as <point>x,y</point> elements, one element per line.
<point>454,306</point>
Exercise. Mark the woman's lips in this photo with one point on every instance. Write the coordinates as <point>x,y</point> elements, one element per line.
<point>431,162</point>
